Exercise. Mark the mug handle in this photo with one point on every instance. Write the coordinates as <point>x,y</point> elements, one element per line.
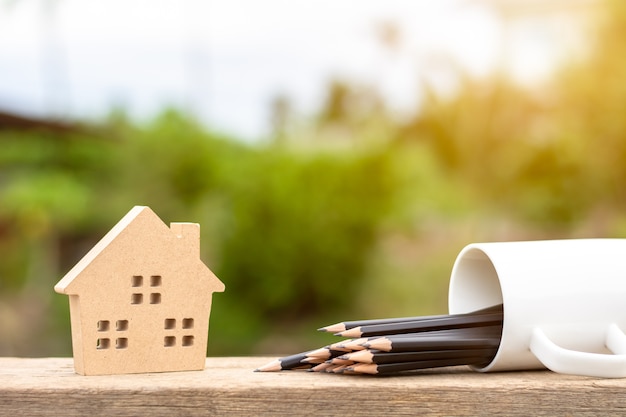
<point>573,362</point>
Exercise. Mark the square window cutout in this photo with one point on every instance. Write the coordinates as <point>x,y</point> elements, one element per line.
<point>137,281</point>
<point>155,298</point>
<point>103,326</point>
<point>121,343</point>
<point>136,299</point>
<point>103,344</point>
<point>155,281</point>
<point>187,323</point>
<point>121,325</point>
<point>169,324</point>
<point>187,340</point>
<point>169,341</point>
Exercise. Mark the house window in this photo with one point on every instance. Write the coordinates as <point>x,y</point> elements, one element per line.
<point>121,343</point>
<point>155,281</point>
<point>173,331</point>
<point>136,281</point>
<point>187,341</point>
<point>103,326</point>
<point>103,343</point>
<point>136,298</point>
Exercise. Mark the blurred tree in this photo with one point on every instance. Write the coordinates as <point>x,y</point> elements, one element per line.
<point>306,225</point>
<point>590,100</point>
<point>293,230</point>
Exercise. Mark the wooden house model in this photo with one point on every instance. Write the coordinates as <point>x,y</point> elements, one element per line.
<point>140,299</point>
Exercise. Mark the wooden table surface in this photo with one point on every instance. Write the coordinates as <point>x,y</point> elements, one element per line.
<point>228,386</point>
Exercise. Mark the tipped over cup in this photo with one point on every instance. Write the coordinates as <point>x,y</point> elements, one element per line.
<point>564,302</point>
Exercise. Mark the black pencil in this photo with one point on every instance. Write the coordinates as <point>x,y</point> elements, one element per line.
<point>443,323</point>
<point>337,361</point>
<point>349,345</point>
<point>312,360</point>
<point>389,368</point>
<point>321,367</point>
<point>382,357</point>
<point>418,343</point>
<point>287,362</point>
<point>326,352</point>
<point>386,346</point>
<point>347,325</point>
<point>464,332</point>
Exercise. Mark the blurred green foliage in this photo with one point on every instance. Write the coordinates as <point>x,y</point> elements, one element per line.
<point>351,214</point>
<point>278,226</point>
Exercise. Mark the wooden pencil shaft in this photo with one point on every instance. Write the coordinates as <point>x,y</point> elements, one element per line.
<point>321,367</point>
<point>295,360</point>
<point>340,346</point>
<point>362,356</point>
<point>273,366</point>
<point>357,323</point>
<point>302,367</point>
<point>471,332</point>
<point>389,368</point>
<point>395,357</point>
<point>353,344</point>
<point>394,344</point>
<point>452,339</point>
<point>325,353</point>
<point>313,360</point>
<point>338,369</point>
<point>292,361</point>
<point>445,323</point>
<point>464,332</point>
<point>330,367</point>
<point>337,361</point>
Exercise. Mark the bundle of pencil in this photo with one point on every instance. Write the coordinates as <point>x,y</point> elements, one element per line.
<point>394,345</point>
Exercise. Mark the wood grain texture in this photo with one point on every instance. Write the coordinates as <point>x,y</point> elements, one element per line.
<point>228,386</point>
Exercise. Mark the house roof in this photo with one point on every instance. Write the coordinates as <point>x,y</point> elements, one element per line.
<point>64,286</point>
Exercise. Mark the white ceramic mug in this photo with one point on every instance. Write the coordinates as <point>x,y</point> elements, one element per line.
<point>564,302</point>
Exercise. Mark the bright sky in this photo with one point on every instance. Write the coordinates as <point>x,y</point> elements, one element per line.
<point>227,59</point>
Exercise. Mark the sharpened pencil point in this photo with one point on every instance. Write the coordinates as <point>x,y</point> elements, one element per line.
<point>319,353</point>
<point>312,360</point>
<point>354,332</point>
<point>333,328</point>
<point>270,367</point>
<point>321,367</point>
<point>354,344</point>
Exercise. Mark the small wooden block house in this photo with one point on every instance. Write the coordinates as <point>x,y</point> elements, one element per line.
<point>140,299</point>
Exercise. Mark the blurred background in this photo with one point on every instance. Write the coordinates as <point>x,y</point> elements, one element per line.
<point>338,155</point>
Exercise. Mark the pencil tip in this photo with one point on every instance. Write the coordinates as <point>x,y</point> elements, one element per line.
<point>354,332</point>
<point>333,328</point>
<point>318,353</point>
<point>272,366</point>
